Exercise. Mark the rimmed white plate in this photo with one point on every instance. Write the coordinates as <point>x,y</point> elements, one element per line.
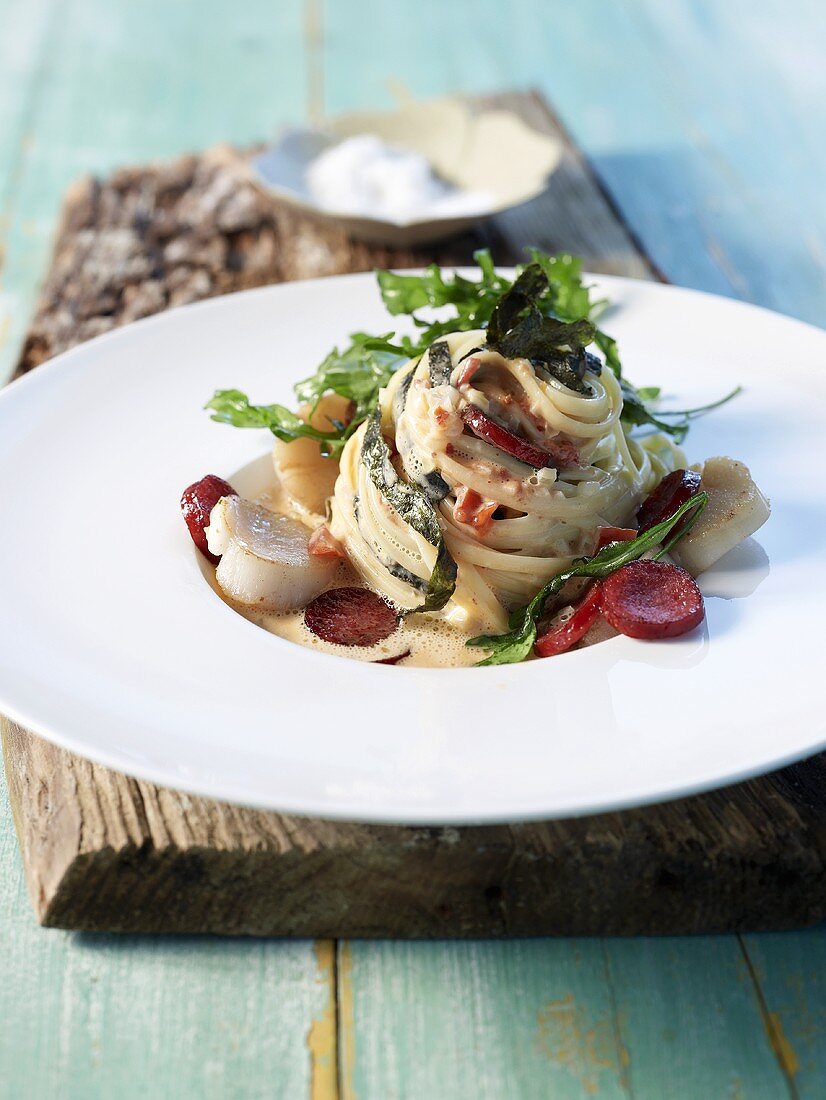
<point>114,645</point>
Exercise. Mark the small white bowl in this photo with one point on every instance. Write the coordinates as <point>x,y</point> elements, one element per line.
<point>475,150</point>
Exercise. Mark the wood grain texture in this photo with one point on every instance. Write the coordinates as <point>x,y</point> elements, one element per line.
<point>658,1019</point>
<point>116,854</point>
<point>175,1017</point>
<point>703,119</point>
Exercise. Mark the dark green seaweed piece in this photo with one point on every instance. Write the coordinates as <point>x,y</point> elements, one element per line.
<point>431,481</point>
<point>441,363</point>
<point>414,508</point>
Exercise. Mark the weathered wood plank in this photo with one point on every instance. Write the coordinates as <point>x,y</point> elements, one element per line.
<point>668,1019</point>
<point>196,227</point>
<point>791,971</point>
<point>704,120</point>
<point>107,853</point>
<point>530,1019</point>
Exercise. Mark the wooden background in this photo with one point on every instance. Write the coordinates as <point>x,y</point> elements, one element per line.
<point>706,121</point>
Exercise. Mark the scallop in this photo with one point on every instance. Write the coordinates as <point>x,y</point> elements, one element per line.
<point>736,509</point>
<point>265,562</point>
<point>306,476</point>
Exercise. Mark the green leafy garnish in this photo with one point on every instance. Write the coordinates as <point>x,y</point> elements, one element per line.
<point>547,314</point>
<point>233,407</point>
<point>357,374</point>
<point>519,328</point>
<point>414,508</point>
<point>517,643</point>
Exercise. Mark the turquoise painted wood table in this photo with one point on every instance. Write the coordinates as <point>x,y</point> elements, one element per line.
<point>706,121</point>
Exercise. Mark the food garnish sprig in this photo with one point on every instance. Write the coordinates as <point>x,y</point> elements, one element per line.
<point>550,288</point>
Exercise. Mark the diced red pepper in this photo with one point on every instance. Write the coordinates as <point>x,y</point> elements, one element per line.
<point>323,545</point>
<point>473,509</point>
<point>607,535</point>
<point>573,630</point>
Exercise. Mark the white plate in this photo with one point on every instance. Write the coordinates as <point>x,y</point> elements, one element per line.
<point>114,645</point>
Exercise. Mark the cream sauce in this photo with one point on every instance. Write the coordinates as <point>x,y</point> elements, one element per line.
<point>431,642</point>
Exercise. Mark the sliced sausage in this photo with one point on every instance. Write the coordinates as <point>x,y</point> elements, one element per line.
<point>652,599</point>
<point>350,616</point>
<point>674,489</point>
<point>556,453</point>
<point>197,502</point>
<point>562,637</point>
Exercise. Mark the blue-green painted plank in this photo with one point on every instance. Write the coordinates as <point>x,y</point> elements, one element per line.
<point>791,969</point>
<point>706,121</point>
<point>104,1016</point>
<point>670,1018</point>
<point>530,1019</point>
<point>690,1020</point>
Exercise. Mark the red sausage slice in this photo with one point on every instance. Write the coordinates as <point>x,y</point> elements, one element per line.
<point>674,489</point>
<point>652,599</point>
<point>350,616</point>
<point>565,635</point>
<point>197,502</point>
<point>558,453</point>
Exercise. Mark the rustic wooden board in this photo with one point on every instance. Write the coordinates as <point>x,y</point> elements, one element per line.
<point>103,851</point>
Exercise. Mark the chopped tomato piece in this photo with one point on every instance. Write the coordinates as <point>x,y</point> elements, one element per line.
<point>473,509</point>
<point>469,368</point>
<point>607,535</point>
<point>573,630</point>
<point>323,545</point>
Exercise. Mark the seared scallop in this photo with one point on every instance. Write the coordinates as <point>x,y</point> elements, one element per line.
<point>736,509</point>
<point>306,476</point>
<point>265,561</point>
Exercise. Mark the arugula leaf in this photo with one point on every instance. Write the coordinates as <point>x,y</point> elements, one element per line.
<point>414,508</point>
<point>233,407</point>
<point>357,373</point>
<point>517,643</point>
<point>546,310</point>
<point>635,413</point>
